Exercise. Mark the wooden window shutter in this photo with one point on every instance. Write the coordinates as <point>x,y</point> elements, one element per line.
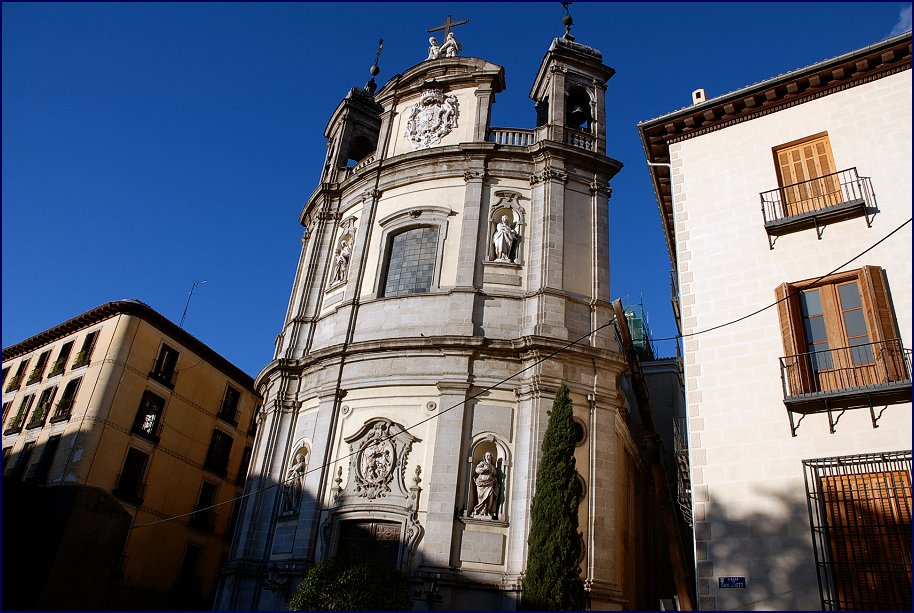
<point>796,363</point>
<point>877,307</point>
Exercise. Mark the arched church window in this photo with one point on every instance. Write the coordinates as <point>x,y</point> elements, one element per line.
<point>411,261</point>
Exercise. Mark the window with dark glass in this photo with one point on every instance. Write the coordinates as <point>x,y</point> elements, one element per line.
<point>233,521</point>
<point>85,352</point>
<point>40,414</point>
<point>6,371</point>
<point>204,517</point>
<point>7,451</point>
<point>217,456</point>
<point>18,421</point>
<point>840,334</point>
<point>22,461</point>
<point>16,381</point>
<point>61,362</point>
<point>188,580</point>
<point>40,365</point>
<point>131,485</point>
<point>411,262</point>
<point>6,409</point>
<point>149,416</point>
<point>229,409</point>
<point>163,370</point>
<point>243,467</point>
<point>38,472</point>
<point>65,405</point>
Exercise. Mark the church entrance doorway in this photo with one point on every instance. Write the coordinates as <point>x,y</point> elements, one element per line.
<point>372,540</point>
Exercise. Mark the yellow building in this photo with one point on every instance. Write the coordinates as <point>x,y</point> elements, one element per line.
<point>122,399</point>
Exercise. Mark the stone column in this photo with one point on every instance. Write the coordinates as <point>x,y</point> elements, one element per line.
<point>441,491</point>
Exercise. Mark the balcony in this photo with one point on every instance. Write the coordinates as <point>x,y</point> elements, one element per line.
<point>64,408</point>
<point>816,203</point>
<point>39,416</point>
<point>868,375</point>
<point>515,137</point>
<point>165,377</point>
<point>15,383</point>
<point>130,491</point>
<point>203,520</point>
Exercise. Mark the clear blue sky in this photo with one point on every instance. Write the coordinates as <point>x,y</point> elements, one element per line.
<point>148,146</point>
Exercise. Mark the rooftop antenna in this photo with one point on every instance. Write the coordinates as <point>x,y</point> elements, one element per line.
<point>568,21</point>
<point>375,70</point>
<point>187,304</point>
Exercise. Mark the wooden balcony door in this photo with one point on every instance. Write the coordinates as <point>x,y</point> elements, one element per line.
<point>805,174</point>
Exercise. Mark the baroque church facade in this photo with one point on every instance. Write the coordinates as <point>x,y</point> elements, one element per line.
<point>452,276</point>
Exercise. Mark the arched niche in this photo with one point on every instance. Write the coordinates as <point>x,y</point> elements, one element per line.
<point>507,205</point>
<point>481,445</point>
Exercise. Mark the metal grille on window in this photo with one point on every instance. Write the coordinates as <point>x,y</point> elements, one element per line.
<point>860,511</point>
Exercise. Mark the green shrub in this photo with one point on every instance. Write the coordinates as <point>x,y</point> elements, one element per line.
<point>339,585</point>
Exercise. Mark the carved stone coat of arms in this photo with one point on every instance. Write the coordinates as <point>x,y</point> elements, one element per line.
<point>432,118</point>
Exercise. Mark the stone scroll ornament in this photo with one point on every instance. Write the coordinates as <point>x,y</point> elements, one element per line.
<point>431,118</point>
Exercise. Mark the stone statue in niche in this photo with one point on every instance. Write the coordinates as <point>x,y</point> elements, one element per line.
<point>504,238</point>
<point>294,484</point>
<point>341,261</point>
<point>434,51</point>
<point>487,488</point>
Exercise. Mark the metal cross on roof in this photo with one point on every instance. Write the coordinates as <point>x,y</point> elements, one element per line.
<point>448,24</point>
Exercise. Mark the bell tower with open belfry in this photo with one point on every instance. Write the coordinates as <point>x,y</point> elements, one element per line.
<point>453,275</point>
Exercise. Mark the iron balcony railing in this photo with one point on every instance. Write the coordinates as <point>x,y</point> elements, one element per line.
<point>833,372</point>
<point>831,192</point>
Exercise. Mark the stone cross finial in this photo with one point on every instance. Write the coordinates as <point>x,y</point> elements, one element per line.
<point>448,24</point>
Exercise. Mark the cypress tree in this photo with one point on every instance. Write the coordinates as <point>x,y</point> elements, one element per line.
<point>552,579</point>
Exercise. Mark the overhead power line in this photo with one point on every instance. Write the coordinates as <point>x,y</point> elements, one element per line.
<point>506,379</point>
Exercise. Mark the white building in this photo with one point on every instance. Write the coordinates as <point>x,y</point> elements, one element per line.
<point>444,261</point>
<point>799,413</point>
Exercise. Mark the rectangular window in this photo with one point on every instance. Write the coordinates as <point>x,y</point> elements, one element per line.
<point>204,517</point>
<point>6,409</point>
<point>38,473</point>
<point>840,334</point>
<point>806,174</point>
<point>61,362</point>
<point>16,381</point>
<point>18,421</point>
<point>149,416</point>
<point>217,457</point>
<point>85,353</point>
<point>166,362</point>
<point>188,580</point>
<point>131,484</point>
<point>243,467</point>
<point>860,508</point>
<point>229,409</point>
<point>40,414</point>
<point>22,461</point>
<point>65,405</point>
<point>411,262</point>
<point>7,452</point>
<point>40,365</point>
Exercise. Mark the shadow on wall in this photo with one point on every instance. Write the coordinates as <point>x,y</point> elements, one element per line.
<point>62,545</point>
<point>771,546</point>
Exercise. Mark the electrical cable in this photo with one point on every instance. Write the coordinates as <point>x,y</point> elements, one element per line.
<point>776,302</point>
<point>506,379</point>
